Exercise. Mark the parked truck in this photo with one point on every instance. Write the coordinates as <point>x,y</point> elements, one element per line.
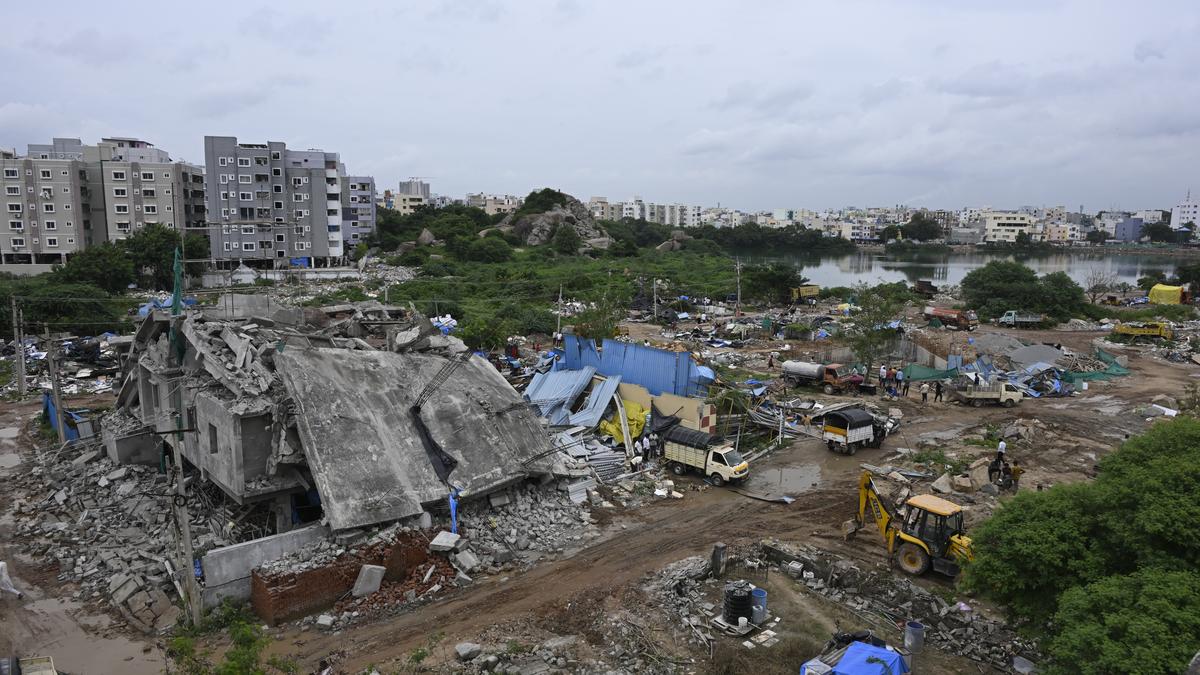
<point>803,294</point>
<point>1000,393</point>
<point>961,319</point>
<point>688,449</point>
<point>848,429</point>
<point>1020,319</point>
<point>831,377</point>
<point>1150,329</point>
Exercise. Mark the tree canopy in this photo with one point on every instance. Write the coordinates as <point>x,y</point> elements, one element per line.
<point>868,337</point>
<point>771,282</point>
<point>1002,285</point>
<point>566,240</point>
<point>922,227</point>
<point>1106,571</point>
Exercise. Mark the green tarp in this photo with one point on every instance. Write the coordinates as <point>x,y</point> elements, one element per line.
<point>918,373</point>
<point>1114,370</point>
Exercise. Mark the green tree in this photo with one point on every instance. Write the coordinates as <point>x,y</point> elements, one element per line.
<point>1145,622</point>
<point>772,282</point>
<point>566,240</point>
<point>889,233</point>
<point>599,321</point>
<point>106,265</point>
<point>541,201</point>
<point>1023,240</point>
<point>999,286</point>
<point>1189,274</point>
<point>867,336</point>
<point>485,333</point>
<point>1159,232</point>
<point>488,250</point>
<point>922,227</point>
<point>81,309</point>
<point>1151,279</point>
<point>152,251</point>
<point>1093,566</point>
<point>1060,297</point>
<point>1097,236</point>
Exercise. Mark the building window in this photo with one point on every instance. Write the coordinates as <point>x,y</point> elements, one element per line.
<point>276,171</point>
<point>11,173</point>
<point>245,180</point>
<point>118,175</point>
<point>45,174</point>
<point>243,161</point>
<point>12,190</point>
<point>228,246</point>
<point>120,192</point>
<point>147,175</point>
<point>224,179</point>
<point>50,224</point>
<point>249,246</point>
<point>47,208</point>
<point>52,242</point>
<point>120,208</point>
<point>221,161</point>
<point>299,213</point>
<point>246,196</point>
<point>18,242</point>
<point>278,189</point>
<point>151,208</point>
<point>16,225</point>
<point>149,192</point>
<point>299,229</point>
<point>122,226</point>
<point>248,230</point>
<point>275,155</point>
<point>280,237</point>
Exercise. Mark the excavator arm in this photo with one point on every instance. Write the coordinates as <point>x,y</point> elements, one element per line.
<point>869,499</point>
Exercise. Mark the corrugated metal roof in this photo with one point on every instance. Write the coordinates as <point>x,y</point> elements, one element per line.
<point>598,400</point>
<point>553,392</point>
<point>658,370</point>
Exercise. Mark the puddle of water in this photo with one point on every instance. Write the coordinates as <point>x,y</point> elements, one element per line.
<point>47,628</point>
<point>787,480</point>
<point>9,432</point>
<point>9,459</point>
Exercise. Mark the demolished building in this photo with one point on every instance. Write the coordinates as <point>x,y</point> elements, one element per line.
<point>341,417</point>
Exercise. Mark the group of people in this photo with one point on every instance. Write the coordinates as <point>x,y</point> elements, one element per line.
<point>648,446</point>
<point>1001,472</point>
<point>894,383</point>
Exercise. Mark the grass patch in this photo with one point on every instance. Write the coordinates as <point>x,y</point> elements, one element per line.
<point>731,658</point>
<point>936,458</point>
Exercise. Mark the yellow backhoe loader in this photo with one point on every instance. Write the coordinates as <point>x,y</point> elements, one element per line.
<point>930,534</point>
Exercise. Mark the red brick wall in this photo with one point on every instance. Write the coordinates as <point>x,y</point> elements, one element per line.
<point>284,597</point>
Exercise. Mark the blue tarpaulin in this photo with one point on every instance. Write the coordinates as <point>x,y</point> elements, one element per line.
<point>864,659</point>
<point>71,419</point>
<point>298,262</point>
<point>658,370</point>
<point>145,309</point>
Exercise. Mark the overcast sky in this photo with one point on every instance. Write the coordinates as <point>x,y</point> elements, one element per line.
<point>754,105</point>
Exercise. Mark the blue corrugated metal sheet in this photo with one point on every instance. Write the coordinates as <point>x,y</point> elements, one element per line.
<point>598,400</point>
<point>658,370</point>
<point>553,392</point>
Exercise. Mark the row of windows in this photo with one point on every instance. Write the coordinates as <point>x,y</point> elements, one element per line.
<point>18,225</point>
<point>254,246</point>
<point>298,213</point>
<point>17,207</point>
<point>47,191</point>
<point>44,174</point>
<point>245,161</point>
<point>145,192</point>
<point>51,242</point>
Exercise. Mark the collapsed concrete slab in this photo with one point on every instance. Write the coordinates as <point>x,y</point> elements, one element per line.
<point>374,459</point>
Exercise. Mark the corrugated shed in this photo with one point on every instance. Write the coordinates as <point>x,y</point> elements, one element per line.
<point>553,392</point>
<point>598,399</point>
<point>658,370</point>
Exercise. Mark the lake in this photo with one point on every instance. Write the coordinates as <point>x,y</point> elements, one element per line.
<point>872,267</point>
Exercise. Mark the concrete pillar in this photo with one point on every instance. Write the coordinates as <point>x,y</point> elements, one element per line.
<point>281,506</point>
<point>718,560</point>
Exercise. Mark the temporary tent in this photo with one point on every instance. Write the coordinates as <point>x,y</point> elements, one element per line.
<point>864,659</point>
<point>1162,294</point>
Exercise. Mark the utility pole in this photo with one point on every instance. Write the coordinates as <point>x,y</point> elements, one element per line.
<point>20,353</point>
<point>738,266</point>
<point>56,392</point>
<point>558,328</point>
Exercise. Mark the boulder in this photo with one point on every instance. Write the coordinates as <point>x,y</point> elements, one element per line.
<point>466,651</point>
<point>426,238</point>
<point>963,484</point>
<point>943,484</point>
<point>536,229</point>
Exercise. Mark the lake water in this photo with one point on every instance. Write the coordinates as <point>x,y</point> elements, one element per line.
<point>874,267</point>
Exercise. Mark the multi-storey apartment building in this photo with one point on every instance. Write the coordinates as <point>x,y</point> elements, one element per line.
<point>493,204</point>
<point>1185,212</point>
<point>415,187</point>
<point>358,208</point>
<point>272,204</point>
<point>64,195</point>
<point>1004,226</point>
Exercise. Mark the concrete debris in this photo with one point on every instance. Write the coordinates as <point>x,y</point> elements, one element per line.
<point>943,484</point>
<point>534,520</point>
<point>966,634</point>
<point>368,581</point>
<point>106,529</point>
<point>467,651</point>
<point>444,541</point>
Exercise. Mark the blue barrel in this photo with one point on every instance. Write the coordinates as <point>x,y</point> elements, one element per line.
<point>758,606</point>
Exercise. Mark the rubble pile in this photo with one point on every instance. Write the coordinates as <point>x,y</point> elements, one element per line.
<point>677,589</point>
<point>107,528</point>
<point>508,524</point>
<point>954,628</point>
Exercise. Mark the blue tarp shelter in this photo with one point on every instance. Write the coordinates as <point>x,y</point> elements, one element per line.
<point>864,659</point>
<point>77,424</point>
<point>658,370</point>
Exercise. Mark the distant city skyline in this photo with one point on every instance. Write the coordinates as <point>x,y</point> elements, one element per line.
<point>761,106</point>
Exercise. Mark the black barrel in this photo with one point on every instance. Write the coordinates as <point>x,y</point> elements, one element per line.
<point>738,601</point>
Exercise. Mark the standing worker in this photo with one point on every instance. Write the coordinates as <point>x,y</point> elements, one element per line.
<point>924,392</point>
<point>1000,450</point>
<point>1016,472</point>
<point>937,391</point>
<point>882,375</point>
<point>905,383</point>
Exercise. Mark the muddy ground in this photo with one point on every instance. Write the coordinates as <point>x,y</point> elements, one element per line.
<point>571,594</point>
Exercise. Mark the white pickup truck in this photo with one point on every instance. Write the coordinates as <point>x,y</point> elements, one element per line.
<point>687,449</point>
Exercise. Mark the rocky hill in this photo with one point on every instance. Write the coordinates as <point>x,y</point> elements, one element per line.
<point>537,221</point>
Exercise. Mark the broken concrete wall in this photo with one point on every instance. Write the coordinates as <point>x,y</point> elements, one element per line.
<point>227,569</point>
<point>217,447</point>
<point>255,445</point>
<point>139,448</point>
<point>365,449</point>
